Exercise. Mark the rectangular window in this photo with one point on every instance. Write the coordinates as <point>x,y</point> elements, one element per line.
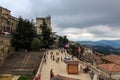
<point>11,24</point>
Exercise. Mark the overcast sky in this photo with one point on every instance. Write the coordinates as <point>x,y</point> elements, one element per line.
<point>78,19</point>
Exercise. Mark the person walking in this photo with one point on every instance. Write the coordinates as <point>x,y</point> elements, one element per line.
<point>51,74</point>
<point>92,75</point>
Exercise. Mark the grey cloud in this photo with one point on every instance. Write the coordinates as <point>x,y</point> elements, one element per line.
<point>72,13</point>
<point>77,13</point>
<point>111,32</point>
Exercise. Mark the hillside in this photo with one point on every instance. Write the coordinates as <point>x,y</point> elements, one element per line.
<point>106,49</point>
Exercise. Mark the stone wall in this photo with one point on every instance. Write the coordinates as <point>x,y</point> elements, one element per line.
<point>5,48</point>
<point>23,72</point>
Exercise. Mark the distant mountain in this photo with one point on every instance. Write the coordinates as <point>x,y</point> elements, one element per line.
<point>103,46</point>
<point>104,43</point>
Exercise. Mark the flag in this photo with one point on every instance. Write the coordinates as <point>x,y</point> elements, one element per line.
<point>79,49</point>
<point>67,45</point>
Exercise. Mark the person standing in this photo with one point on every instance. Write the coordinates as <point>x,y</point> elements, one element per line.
<point>81,68</point>
<point>53,57</point>
<point>61,58</point>
<point>51,72</point>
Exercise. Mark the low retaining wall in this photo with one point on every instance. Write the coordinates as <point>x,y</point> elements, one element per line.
<point>23,72</point>
<point>40,67</point>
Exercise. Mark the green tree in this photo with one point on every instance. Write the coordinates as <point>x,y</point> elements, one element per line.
<point>62,41</point>
<point>65,40</point>
<point>35,44</point>
<point>46,36</point>
<point>23,35</point>
<point>74,50</point>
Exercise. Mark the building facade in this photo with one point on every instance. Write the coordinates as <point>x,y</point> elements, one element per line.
<point>39,21</point>
<point>7,21</point>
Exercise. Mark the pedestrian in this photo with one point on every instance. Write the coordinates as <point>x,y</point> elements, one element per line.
<point>53,57</point>
<point>58,58</point>
<point>44,56</point>
<point>61,51</point>
<point>61,58</point>
<point>81,68</point>
<point>92,75</point>
<point>51,74</point>
<point>72,57</point>
<point>45,60</point>
<point>47,53</point>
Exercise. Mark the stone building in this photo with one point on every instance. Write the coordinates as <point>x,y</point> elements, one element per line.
<point>7,21</point>
<point>39,21</point>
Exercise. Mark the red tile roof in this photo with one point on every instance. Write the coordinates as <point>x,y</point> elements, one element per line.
<point>110,67</point>
<point>112,58</point>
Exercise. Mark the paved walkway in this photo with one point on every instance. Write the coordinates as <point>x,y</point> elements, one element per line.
<point>59,68</point>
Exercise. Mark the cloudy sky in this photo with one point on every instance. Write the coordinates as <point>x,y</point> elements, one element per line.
<point>78,19</point>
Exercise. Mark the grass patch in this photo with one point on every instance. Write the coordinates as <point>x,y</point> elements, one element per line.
<point>26,78</point>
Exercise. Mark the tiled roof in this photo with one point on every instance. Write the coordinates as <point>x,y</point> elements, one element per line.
<point>113,58</point>
<point>58,77</point>
<point>110,67</point>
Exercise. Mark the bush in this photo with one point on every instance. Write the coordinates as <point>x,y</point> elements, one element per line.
<point>43,49</point>
<point>26,78</point>
<point>35,44</point>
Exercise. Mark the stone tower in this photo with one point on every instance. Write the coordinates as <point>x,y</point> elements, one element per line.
<point>39,21</point>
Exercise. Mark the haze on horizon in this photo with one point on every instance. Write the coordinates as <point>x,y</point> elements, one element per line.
<point>78,19</point>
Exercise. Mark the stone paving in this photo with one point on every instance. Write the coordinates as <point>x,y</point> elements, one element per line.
<point>59,68</point>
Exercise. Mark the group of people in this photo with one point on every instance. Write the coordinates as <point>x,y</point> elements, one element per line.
<point>87,70</point>
<point>56,57</point>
